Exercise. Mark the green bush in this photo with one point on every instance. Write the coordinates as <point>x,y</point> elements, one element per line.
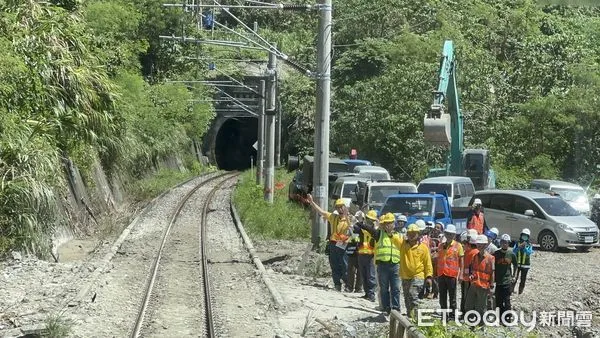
<point>282,220</point>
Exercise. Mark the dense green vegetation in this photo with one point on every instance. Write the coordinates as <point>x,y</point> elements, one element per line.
<point>281,220</point>
<point>528,78</point>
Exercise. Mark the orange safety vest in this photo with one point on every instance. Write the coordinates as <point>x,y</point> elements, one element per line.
<point>366,247</point>
<point>476,223</point>
<point>469,253</point>
<point>448,261</point>
<point>337,232</point>
<point>482,270</point>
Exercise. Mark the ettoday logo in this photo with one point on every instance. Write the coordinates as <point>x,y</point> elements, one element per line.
<point>509,318</point>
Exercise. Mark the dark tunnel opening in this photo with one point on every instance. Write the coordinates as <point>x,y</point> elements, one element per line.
<point>234,144</point>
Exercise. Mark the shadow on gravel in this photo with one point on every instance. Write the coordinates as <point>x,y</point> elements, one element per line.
<point>380,318</point>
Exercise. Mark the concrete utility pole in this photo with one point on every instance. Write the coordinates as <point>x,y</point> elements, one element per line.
<point>278,134</point>
<point>260,158</point>
<point>270,127</point>
<point>321,169</point>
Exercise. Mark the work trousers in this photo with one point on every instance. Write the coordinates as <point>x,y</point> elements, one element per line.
<point>523,277</point>
<point>354,277</point>
<point>476,299</point>
<point>389,285</point>
<point>447,286</point>
<point>338,261</point>
<point>366,265</point>
<point>503,298</point>
<point>411,288</point>
<point>464,286</point>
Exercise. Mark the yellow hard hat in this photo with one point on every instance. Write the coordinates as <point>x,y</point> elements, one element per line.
<point>413,228</point>
<point>339,202</point>
<point>372,215</point>
<point>387,218</point>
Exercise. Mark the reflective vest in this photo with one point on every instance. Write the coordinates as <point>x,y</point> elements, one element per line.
<point>448,260</point>
<point>385,251</point>
<point>476,223</point>
<point>339,229</point>
<point>366,246</point>
<point>469,252</point>
<point>523,259</point>
<point>482,269</point>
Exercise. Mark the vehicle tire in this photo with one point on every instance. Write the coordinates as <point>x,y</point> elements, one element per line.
<point>547,241</point>
<point>584,248</point>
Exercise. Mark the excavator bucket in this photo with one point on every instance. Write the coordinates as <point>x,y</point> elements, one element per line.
<point>436,127</point>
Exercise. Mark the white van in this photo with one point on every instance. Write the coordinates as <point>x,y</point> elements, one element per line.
<point>372,172</point>
<point>459,189</point>
<point>571,193</point>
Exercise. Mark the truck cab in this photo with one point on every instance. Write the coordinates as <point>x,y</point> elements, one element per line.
<point>371,194</point>
<point>427,207</point>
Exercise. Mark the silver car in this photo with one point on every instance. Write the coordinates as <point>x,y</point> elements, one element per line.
<point>552,221</point>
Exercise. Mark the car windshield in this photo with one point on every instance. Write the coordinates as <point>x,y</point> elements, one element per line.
<point>426,188</point>
<point>571,195</point>
<point>376,176</point>
<point>555,206</point>
<point>348,188</point>
<point>410,206</point>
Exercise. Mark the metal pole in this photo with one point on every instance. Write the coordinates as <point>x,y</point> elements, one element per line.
<point>278,134</point>
<point>270,128</point>
<point>260,162</point>
<point>321,169</point>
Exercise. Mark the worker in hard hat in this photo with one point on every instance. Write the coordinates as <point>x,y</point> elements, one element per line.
<point>387,259</point>
<point>506,269</point>
<point>449,263</point>
<point>482,278</point>
<point>366,250</point>
<point>401,224</point>
<point>354,279</point>
<point>491,234</point>
<point>422,231</point>
<point>415,267</point>
<point>435,237</point>
<point>339,234</point>
<point>470,250</point>
<point>523,250</point>
<point>476,218</point>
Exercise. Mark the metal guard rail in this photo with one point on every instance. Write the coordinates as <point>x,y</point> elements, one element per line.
<point>401,327</point>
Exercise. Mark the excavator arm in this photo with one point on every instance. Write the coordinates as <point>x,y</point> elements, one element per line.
<point>443,123</point>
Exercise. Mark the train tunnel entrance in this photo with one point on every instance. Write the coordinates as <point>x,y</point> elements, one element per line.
<point>234,143</point>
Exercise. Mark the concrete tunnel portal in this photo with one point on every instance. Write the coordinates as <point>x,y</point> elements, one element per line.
<point>234,143</point>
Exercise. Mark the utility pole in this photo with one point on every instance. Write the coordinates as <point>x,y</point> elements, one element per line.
<point>321,168</point>
<point>278,133</point>
<point>270,127</point>
<point>260,162</point>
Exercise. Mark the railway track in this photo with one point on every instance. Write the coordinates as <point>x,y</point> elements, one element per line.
<point>179,274</point>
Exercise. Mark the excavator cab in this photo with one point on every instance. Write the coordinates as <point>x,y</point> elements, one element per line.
<point>476,164</point>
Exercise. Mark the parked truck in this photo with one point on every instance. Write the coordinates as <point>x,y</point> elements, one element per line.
<point>428,207</point>
<point>371,194</point>
<point>303,180</point>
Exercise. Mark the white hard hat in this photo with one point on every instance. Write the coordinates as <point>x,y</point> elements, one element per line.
<point>463,236</point>
<point>421,224</point>
<point>402,218</point>
<point>472,233</point>
<point>473,240</point>
<point>477,202</point>
<point>495,230</point>
<point>450,228</point>
<point>526,232</point>
<point>482,239</point>
<point>505,237</point>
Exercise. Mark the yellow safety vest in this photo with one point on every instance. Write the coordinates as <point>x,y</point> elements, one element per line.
<point>385,251</point>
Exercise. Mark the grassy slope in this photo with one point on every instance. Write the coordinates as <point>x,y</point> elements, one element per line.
<point>282,220</point>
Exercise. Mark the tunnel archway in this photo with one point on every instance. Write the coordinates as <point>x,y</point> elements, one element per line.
<point>234,143</point>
